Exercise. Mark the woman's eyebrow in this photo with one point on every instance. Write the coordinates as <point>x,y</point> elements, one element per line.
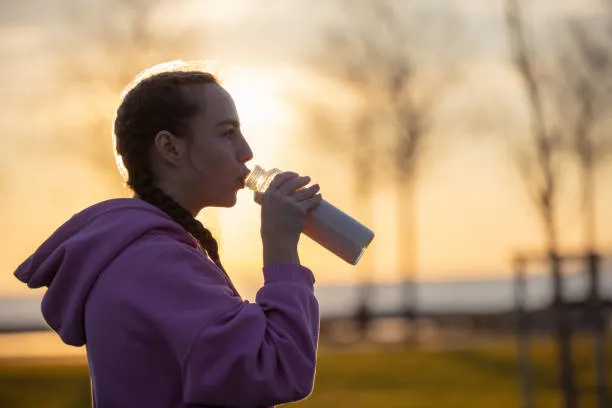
<point>232,122</point>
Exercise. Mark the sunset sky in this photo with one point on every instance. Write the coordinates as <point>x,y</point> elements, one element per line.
<point>472,209</point>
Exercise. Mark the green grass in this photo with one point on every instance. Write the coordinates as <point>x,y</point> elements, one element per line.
<point>44,385</point>
<point>478,377</point>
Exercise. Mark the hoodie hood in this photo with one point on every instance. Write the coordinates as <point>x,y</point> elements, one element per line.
<point>71,259</point>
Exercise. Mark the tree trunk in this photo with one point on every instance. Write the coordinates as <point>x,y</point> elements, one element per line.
<point>589,211</point>
<point>407,256</point>
<point>362,190</point>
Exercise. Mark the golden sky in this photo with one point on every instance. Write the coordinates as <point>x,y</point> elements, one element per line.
<point>471,206</point>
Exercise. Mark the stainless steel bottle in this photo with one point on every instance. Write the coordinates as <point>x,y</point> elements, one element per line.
<point>327,225</point>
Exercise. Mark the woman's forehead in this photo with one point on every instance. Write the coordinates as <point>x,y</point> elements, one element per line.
<point>216,102</point>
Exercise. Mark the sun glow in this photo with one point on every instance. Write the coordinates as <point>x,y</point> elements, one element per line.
<point>265,119</point>
<point>261,108</point>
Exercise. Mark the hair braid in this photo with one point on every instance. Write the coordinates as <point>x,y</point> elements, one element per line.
<point>142,184</point>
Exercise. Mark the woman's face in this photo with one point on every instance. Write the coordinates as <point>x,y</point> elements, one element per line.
<point>213,166</point>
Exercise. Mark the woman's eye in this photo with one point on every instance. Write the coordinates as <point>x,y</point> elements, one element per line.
<point>229,132</point>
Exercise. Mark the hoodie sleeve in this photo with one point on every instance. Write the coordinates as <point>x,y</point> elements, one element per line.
<point>233,353</point>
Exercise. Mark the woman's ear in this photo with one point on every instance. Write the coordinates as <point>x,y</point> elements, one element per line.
<point>169,147</point>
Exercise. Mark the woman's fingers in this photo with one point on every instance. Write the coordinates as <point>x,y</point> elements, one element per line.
<point>306,193</point>
<point>281,178</point>
<point>289,186</point>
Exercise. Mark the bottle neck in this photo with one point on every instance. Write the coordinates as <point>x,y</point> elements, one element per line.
<point>254,177</point>
<point>260,179</point>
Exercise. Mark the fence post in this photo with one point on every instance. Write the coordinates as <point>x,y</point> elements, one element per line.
<point>564,335</point>
<point>523,338</point>
<point>596,310</point>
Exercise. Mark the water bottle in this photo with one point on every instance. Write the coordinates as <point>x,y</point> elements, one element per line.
<point>327,225</point>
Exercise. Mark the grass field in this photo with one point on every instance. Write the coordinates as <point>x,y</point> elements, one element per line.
<point>475,378</point>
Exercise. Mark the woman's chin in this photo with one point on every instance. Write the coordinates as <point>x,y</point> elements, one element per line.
<point>228,201</point>
<point>223,201</point>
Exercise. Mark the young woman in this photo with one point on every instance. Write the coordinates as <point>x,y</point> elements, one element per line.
<point>139,280</point>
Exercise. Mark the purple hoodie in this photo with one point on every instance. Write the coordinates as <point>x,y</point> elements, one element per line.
<point>163,326</point>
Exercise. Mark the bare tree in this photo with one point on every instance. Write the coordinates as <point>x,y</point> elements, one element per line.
<point>107,44</point>
<point>586,63</point>
<point>538,161</point>
<point>374,55</point>
<point>114,41</point>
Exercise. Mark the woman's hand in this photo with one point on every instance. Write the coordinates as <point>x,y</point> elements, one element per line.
<point>284,208</point>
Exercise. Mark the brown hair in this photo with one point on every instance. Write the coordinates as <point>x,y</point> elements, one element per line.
<point>159,102</point>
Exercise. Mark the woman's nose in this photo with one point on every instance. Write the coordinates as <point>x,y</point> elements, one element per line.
<point>245,153</point>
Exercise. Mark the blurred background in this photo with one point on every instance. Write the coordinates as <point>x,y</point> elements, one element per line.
<point>474,137</point>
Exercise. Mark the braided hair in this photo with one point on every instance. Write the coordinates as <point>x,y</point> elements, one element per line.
<point>160,102</point>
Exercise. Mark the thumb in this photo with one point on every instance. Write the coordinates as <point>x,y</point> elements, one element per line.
<point>258,197</point>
